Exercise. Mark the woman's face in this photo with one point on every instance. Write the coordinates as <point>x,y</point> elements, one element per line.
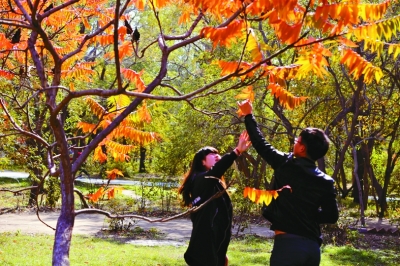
<point>210,160</point>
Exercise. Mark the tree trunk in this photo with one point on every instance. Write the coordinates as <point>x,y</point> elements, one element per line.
<point>358,185</point>
<point>33,195</point>
<point>142,166</point>
<point>65,223</point>
<point>358,182</point>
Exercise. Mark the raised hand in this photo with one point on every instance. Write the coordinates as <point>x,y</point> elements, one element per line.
<point>244,143</point>
<point>245,107</point>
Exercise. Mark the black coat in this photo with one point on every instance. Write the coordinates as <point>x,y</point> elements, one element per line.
<point>212,224</point>
<point>312,200</point>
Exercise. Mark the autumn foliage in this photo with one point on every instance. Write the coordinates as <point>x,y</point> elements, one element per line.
<point>107,190</point>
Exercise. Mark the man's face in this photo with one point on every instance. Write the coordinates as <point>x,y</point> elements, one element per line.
<point>299,149</point>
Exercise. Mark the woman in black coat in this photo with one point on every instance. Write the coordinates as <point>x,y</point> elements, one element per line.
<point>212,224</point>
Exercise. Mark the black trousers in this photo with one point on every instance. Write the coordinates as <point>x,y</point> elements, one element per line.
<point>294,250</point>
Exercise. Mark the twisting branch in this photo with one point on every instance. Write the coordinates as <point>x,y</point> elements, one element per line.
<point>158,220</point>
<point>19,129</point>
<point>37,204</point>
<point>81,197</point>
<point>43,222</point>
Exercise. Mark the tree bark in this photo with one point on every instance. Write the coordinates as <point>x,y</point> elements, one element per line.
<point>142,165</point>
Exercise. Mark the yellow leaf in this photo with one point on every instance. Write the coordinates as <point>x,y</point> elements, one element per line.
<point>247,94</point>
<point>262,196</point>
<point>254,48</point>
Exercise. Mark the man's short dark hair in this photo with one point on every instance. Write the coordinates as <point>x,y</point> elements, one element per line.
<point>316,141</point>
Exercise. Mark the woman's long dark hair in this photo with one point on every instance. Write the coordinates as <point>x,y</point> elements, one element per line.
<point>196,167</point>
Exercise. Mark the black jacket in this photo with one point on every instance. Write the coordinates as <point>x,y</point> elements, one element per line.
<point>312,200</point>
<point>212,224</point>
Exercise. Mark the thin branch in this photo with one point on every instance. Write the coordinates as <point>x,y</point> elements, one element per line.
<point>26,14</point>
<point>17,191</point>
<point>116,50</point>
<point>188,33</point>
<point>16,23</point>
<point>41,91</point>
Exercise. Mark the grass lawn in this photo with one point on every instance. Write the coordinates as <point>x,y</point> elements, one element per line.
<point>36,250</point>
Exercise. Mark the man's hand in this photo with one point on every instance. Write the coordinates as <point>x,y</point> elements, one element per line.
<point>245,107</point>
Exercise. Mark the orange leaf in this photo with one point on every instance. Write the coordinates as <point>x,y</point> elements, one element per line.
<point>113,174</point>
<point>288,34</point>
<point>231,67</point>
<point>99,155</point>
<point>135,77</point>
<point>185,17</point>
<point>225,35</point>
<point>144,113</point>
<point>95,107</point>
<point>359,66</point>
<point>6,74</point>
<point>96,196</point>
<point>112,191</point>
<point>287,99</point>
<point>105,39</point>
<point>140,4</point>
<point>87,127</point>
<point>125,49</point>
<point>347,42</point>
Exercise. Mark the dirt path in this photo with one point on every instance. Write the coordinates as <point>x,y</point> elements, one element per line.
<point>25,222</point>
<point>91,224</point>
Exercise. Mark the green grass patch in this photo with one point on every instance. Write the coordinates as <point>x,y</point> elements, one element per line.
<point>14,182</point>
<point>350,256</point>
<point>20,249</point>
<point>12,200</point>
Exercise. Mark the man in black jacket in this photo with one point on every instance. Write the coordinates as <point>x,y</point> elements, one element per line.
<point>296,214</point>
